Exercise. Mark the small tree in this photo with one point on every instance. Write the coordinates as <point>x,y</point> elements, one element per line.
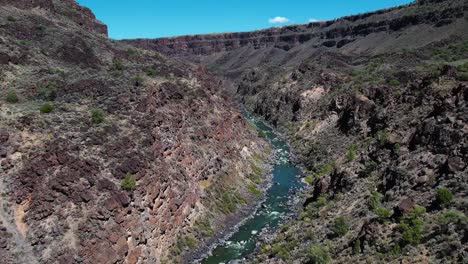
<point>444,196</point>
<point>128,183</point>
<point>97,116</point>
<point>12,97</point>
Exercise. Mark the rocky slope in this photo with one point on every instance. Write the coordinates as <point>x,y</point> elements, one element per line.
<point>375,105</point>
<point>110,154</point>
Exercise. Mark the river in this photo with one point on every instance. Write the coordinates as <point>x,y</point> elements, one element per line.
<point>285,181</point>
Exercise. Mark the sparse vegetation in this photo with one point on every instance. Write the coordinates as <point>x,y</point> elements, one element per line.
<point>320,171</point>
<point>340,226</point>
<point>128,183</point>
<point>11,97</point>
<point>203,226</point>
<point>46,108</point>
<point>443,196</point>
<point>97,116</point>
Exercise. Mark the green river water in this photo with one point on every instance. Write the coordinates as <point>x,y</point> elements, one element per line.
<point>284,181</point>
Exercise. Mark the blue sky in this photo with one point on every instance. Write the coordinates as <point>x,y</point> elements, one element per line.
<point>162,18</point>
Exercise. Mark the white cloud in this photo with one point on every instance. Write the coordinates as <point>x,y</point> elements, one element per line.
<point>278,20</point>
<point>311,20</point>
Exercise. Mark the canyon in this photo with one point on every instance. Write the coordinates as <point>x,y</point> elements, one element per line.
<point>136,151</point>
<point>375,107</point>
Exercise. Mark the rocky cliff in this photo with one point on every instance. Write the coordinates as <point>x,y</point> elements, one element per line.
<point>108,153</point>
<point>375,105</point>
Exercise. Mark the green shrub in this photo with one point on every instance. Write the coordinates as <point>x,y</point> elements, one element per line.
<point>452,216</point>
<point>394,82</point>
<point>150,72</point>
<point>117,64</point>
<point>12,97</point>
<point>11,18</point>
<point>47,92</point>
<point>46,108</point>
<point>351,153</point>
<point>382,137</point>
<point>312,210</point>
<point>253,189</point>
<point>280,251</point>
<point>396,148</point>
<point>412,226</point>
<point>203,226</point>
<point>128,183</point>
<point>138,80</point>
<point>186,241</point>
<point>318,254</point>
<point>340,226</point>
<point>369,167</point>
<point>261,134</point>
<point>357,247</point>
<point>374,201</point>
<point>444,196</point>
<point>463,76</point>
<point>383,213</point>
<point>97,116</point>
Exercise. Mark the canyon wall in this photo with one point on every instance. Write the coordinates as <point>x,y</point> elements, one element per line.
<point>108,153</point>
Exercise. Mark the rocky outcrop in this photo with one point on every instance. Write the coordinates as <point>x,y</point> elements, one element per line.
<point>69,9</point>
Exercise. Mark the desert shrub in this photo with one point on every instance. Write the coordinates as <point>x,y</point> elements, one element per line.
<point>369,167</point>
<point>396,148</point>
<point>394,82</point>
<point>383,213</point>
<point>357,247</point>
<point>412,226</point>
<point>11,18</point>
<point>186,241</point>
<point>150,72</point>
<point>128,183</point>
<point>382,137</point>
<point>351,153</point>
<point>203,226</point>
<point>312,210</point>
<point>374,201</point>
<point>318,254</point>
<point>253,189</point>
<point>340,226</point>
<point>97,116</point>
<point>46,108</point>
<point>117,64</point>
<point>47,92</point>
<point>138,80</point>
<point>463,76</point>
<point>261,134</point>
<point>443,196</point>
<point>11,97</point>
<point>452,216</point>
<point>280,251</point>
